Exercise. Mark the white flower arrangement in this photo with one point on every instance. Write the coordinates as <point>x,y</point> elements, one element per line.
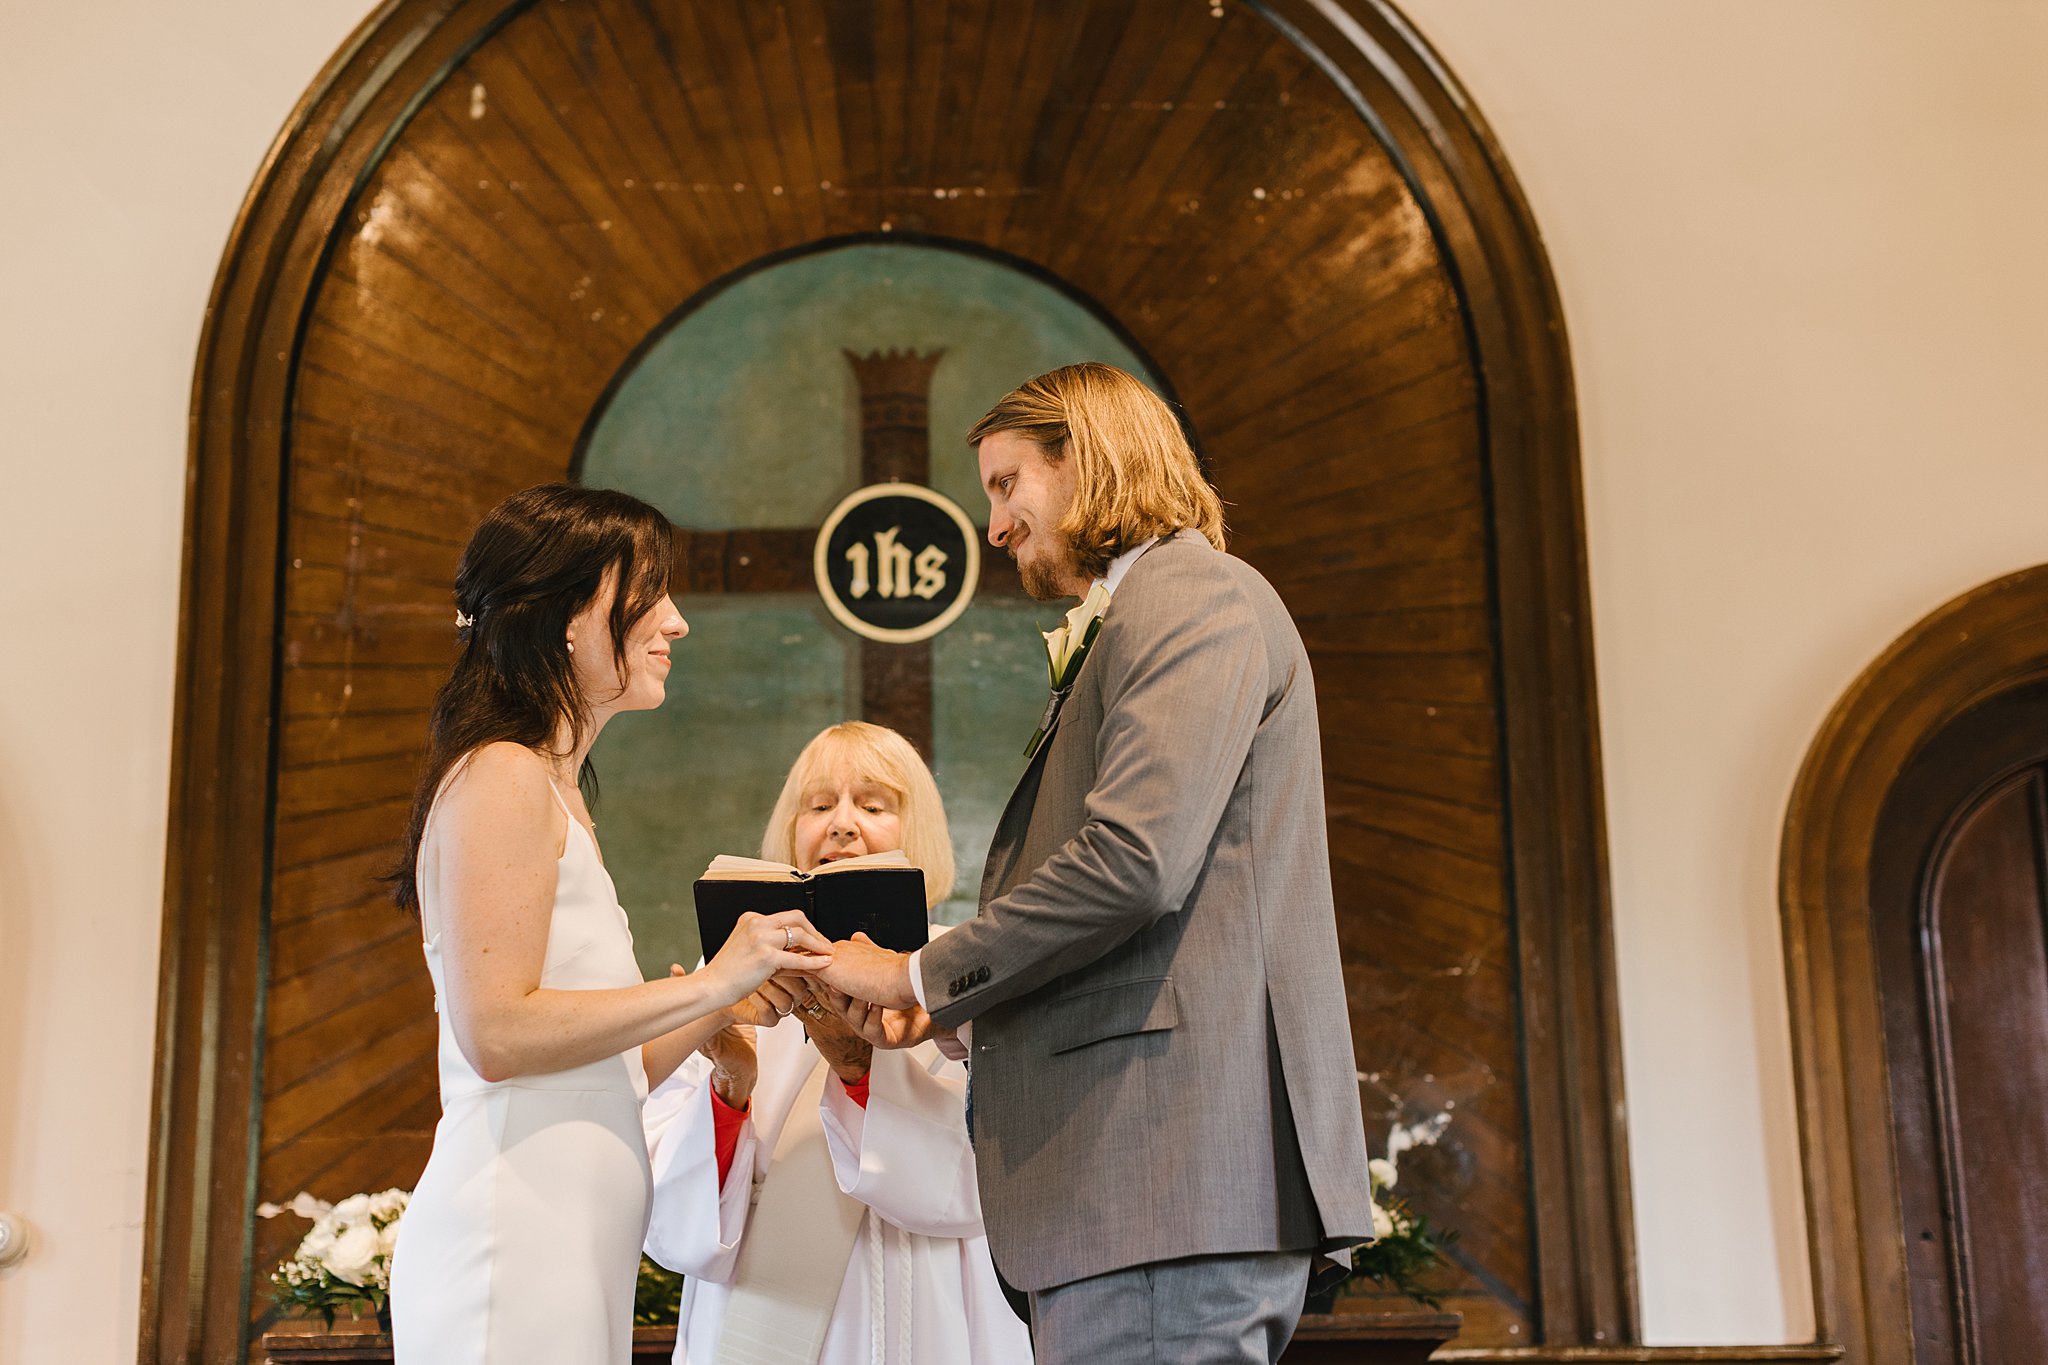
<point>1406,1248</point>
<point>345,1261</point>
<point>1384,1175</point>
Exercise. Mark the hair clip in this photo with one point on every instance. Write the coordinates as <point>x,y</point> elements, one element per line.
<point>463,622</point>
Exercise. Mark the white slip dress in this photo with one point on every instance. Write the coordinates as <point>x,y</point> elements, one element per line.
<point>521,1245</point>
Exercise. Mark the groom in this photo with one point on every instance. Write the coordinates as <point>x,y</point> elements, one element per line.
<point>1164,1104</point>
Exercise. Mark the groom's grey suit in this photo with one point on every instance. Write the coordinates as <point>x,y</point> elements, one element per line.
<point>1161,1048</point>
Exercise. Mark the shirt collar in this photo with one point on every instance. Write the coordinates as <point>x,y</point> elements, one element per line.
<point>1121,565</point>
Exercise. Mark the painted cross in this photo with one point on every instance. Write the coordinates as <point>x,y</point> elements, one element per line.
<point>895,446</point>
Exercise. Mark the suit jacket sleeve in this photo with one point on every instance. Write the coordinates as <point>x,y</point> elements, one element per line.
<point>1184,679</point>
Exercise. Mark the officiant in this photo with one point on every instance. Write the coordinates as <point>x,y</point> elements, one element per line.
<point>820,1196</point>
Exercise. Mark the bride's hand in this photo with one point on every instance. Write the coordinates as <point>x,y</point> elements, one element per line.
<point>760,946</point>
<point>756,1011</point>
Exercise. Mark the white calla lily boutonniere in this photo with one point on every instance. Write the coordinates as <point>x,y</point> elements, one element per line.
<point>1066,648</point>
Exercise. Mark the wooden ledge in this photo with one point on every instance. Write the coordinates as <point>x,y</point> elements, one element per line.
<point>1352,1338</point>
<point>651,1346</point>
<point>1643,1355</point>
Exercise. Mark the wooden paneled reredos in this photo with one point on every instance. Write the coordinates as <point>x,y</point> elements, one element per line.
<point>523,193</point>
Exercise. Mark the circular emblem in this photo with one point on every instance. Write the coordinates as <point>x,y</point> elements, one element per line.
<point>897,562</point>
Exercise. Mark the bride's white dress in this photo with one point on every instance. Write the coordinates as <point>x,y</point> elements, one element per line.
<point>521,1244</point>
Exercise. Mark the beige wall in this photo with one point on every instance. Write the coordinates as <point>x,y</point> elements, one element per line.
<point>1799,244</point>
<point>129,132</point>
<point>1795,244</point>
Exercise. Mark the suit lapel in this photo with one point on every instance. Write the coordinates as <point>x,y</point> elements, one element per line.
<point>1016,817</point>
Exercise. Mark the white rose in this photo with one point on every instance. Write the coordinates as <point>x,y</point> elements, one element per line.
<point>1382,1222</point>
<point>354,1256</point>
<point>387,1239</point>
<point>317,1243</point>
<point>1383,1173</point>
<point>352,1208</point>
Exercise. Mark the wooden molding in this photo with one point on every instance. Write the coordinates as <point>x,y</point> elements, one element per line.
<point>1389,1337</point>
<point>1990,639</point>
<point>1579,1188</point>
<point>196,1268</point>
<point>231,716</point>
<point>1649,1355</point>
<point>1382,1337</point>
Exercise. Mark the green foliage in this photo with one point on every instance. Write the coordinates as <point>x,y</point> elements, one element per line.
<point>658,1297</point>
<point>1405,1260</point>
<point>327,1297</point>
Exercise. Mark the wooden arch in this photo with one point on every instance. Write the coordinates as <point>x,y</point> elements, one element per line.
<point>482,207</point>
<point>1989,641</point>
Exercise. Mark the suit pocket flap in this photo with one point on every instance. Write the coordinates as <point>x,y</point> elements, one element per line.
<point>1112,1011</point>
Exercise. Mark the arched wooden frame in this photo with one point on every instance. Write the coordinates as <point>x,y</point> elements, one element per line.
<point>1985,642</point>
<point>215,942</point>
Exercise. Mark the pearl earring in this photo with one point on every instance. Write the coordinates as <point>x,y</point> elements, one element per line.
<point>572,646</point>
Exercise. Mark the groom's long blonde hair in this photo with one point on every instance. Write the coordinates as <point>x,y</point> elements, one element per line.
<point>1135,476</point>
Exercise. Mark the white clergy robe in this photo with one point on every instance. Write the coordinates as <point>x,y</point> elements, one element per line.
<point>919,1286</point>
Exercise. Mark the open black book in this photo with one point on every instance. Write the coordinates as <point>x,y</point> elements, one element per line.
<point>878,894</point>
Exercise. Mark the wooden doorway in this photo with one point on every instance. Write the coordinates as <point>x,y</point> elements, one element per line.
<point>1912,886</point>
<point>1959,901</point>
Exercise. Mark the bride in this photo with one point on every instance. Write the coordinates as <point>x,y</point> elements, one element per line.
<point>522,1241</point>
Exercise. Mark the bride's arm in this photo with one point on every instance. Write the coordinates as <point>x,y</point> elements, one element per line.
<point>498,832</point>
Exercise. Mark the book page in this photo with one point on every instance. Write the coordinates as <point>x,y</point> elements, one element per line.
<point>732,867</point>
<point>895,857</point>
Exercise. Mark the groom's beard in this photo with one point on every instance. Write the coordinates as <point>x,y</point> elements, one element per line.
<point>1040,580</point>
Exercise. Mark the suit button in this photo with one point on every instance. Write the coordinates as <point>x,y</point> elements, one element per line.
<point>953,988</point>
<point>981,975</point>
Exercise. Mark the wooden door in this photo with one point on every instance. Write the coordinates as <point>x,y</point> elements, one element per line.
<point>1961,909</point>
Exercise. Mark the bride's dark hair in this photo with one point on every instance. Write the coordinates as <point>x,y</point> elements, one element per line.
<point>538,558</point>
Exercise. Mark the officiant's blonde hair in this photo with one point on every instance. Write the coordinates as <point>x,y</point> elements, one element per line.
<point>876,754</point>
<point>1135,475</point>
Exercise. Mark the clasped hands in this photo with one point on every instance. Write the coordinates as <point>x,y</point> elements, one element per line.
<point>863,988</point>
<point>852,1001</point>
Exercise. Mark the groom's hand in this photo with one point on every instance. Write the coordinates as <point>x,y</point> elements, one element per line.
<point>883,1028</point>
<point>865,971</point>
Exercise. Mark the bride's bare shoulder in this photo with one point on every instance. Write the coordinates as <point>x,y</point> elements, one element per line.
<point>498,779</point>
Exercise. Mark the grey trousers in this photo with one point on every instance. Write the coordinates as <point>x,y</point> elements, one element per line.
<point>1204,1310</point>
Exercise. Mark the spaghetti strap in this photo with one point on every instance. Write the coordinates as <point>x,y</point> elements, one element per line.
<point>589,831</point>
<point>563,804</point>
